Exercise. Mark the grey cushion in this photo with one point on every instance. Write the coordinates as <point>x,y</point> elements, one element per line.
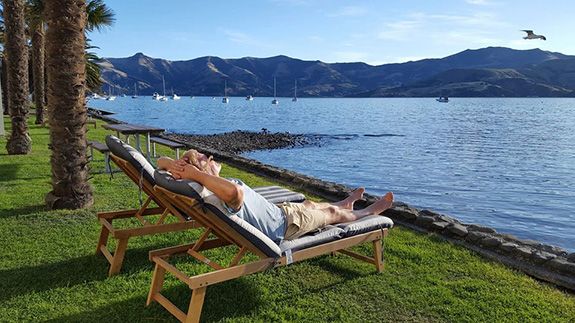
<point>276,194</point>
<point>210,201</point>
<point>184,187</point>
<point>365,224</point>
<point>131,155</point>
<point>326,234</point>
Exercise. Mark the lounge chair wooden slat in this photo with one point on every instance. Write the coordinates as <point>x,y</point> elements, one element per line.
<point>208,244</point>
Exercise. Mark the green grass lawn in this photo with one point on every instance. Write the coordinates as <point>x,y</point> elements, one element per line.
<point>49,270</point>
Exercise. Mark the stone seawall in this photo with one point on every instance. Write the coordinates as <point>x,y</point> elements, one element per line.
<point>548,263</point>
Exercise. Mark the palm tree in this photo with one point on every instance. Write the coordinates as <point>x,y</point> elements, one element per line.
<point>17,77</point>
<point>3,77</point>
<point>36,25</point>
<point>66,68</point>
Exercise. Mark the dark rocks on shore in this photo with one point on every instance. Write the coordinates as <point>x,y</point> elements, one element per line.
<point>239,141</point>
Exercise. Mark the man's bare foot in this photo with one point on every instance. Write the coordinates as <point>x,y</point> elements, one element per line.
<point>380,205</point>
<point>348,203</point>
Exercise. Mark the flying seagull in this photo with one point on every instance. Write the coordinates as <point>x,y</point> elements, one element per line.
<point>531,35</point>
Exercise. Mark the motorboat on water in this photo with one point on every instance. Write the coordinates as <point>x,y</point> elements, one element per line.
<point>96,96</point>
<point>175,97</point>
<point>249,98</point>
<point>443,99</point>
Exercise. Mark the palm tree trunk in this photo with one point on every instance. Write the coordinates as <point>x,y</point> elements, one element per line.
<point>38,70</point>
<point>4,82</point>
<point>67,112</point>
<point>17,77</point>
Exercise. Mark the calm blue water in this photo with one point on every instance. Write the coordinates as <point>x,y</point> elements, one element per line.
<point>504,163</point>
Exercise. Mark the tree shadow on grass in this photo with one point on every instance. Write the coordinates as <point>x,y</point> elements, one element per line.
<point>68,273</point>
<point>8,172</point>
<point>232,299</point>
<point>25,210</point>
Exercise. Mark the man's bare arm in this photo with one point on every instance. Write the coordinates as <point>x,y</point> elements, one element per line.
<point>229,192</point>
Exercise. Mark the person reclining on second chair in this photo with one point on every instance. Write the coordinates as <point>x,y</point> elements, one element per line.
<point>288,221</point>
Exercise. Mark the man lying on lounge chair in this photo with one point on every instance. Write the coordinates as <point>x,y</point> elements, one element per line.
<point>288,221</point>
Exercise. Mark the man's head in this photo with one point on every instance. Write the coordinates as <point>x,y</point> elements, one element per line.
<point>202,162</point>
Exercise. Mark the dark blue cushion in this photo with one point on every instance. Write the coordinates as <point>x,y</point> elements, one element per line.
<point>132,156</point>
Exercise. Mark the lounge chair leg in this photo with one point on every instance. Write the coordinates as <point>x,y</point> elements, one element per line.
<point>107,162</point>
<point>196,303</point>
<point>157,283</point>
<point>118,257</point>
<point>377,255</point>
<point>103,241</point>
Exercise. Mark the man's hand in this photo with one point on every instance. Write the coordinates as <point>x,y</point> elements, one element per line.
<point>180,169</point>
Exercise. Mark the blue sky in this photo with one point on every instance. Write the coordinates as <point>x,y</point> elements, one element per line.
<point>375,32</point>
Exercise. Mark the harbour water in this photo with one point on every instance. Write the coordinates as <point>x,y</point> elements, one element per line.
<point>507,163</point>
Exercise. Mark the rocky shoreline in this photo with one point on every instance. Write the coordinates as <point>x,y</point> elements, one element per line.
<point>239,141</point>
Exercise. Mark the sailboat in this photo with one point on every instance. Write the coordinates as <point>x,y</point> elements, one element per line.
<point>225,98</point>
<point>174,95</point>
<point>110,96</point>
<point>294,92</point>
<point>163,97</point>
<point>275,100</point>
<point>135,96</point>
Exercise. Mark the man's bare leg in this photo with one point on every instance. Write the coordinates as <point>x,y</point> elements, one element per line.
<point>347,203</point>
<point>339,215</point>
<point>355,196</point>
<point>379,206</point>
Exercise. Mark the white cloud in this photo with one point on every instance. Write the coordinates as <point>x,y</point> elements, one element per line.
<point>315,39</point>
<point>399,30</point>
<point>477,28</point>
<point>293,2</point>
<point>239,37</point>
<point>477,2</point>
<point>350,11</point>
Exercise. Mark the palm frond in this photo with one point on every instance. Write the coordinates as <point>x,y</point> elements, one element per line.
<point>99,15</point>
<point>93,71</point>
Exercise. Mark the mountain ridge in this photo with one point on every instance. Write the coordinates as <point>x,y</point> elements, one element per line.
<point>490,71</point>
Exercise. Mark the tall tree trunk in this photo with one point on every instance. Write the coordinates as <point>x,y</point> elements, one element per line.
<point>17,68</point>
<point>66,72</point>
<point>38,70</point>
<point>4,82</point>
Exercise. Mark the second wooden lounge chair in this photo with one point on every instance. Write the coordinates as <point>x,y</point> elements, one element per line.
<point>232,230</point>
<point>141,172</point>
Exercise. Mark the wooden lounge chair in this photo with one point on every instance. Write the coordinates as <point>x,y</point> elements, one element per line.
<point>141,172</point>
<point>208,210</point>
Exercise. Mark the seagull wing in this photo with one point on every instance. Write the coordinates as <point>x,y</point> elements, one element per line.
<point>529,32</point>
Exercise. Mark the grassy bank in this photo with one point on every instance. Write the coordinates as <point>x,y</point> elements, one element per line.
<point>49,271</point>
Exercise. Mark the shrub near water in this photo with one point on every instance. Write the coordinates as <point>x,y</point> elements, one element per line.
<point>49,270</point>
